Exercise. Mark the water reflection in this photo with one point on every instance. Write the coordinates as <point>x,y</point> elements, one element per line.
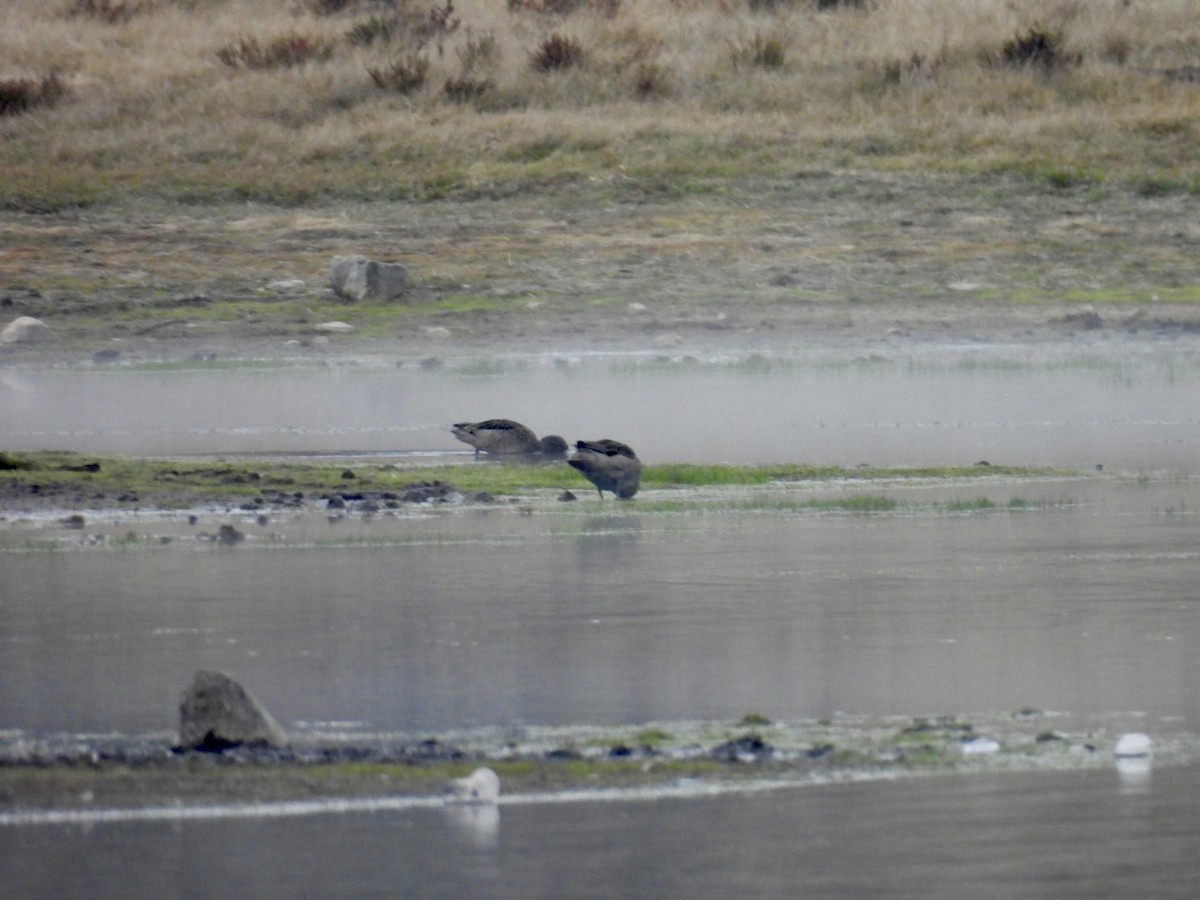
<point>477,823</point>
<point>1052,835</point>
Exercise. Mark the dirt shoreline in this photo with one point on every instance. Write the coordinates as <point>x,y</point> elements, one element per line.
<point>825,259</point>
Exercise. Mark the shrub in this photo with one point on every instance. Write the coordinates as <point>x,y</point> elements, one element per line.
<point>419,28</point>
<point>405,76</point>
<point>557,52</point>
<point>477,52</point>
<point>285,51</point>
<point>1037,47</point>
<point>648,79</point>
<point>763,52</point>
<point>19,95</point>
<point>114,12</point>
<point>563,8</point>
<point>376,28</point>
<point>465,89</point>
<point>329,7</point>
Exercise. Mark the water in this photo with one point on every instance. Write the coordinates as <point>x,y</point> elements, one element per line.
<point>617,617</point>
<point>1051,835</point>
<point>1080,599</point>
<point>954,406</point>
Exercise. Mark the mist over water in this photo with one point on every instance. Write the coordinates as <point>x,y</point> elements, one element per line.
<point>948,408</point>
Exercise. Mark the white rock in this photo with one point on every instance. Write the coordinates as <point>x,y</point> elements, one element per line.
<point>335,327</point>
<point>1133,744</point>
<point>980,746</point>
<point>481,786</point>
<point>24,330</point>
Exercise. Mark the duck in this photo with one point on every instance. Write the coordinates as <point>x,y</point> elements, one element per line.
<point>609,465</point>
<point>504,437</point>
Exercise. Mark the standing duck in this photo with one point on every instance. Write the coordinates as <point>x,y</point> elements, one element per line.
<point>609,465</point>
<point>504,437</point>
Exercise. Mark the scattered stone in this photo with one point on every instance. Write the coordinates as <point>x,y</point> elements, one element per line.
<point>428,492</point>
<point>74,521</point>
<point>747,748</point>
<point>216,713</point>
<point>24,330</point>
<point>358,278</point>
<point>287,284</point>
<point>566,497</point>
<point>979,746</point>
<point>229,535</point>
<point>430,363</point>
<point>667,340</point>
<point>106,356</point>
<point>335,327</point>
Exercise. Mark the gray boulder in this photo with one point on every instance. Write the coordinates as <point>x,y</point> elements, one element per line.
<point>24,330</point>
<point>217,713</point>
<point>358,278</point>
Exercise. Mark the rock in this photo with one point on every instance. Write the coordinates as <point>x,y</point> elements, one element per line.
<point>229,535</point>
<point>1134,744</point>
<point>481,786</point>
<point>747,748</point>
<point>216,713</point>
<point>358,278</point>
<point>24,330</point>
<point>335,327</point>
<point>287,284</point>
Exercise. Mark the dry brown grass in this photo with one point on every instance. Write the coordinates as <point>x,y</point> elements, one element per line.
<point>657,92</point>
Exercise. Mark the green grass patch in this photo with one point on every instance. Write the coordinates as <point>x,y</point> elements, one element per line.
<point>176,483</point>
<point>976,504</point>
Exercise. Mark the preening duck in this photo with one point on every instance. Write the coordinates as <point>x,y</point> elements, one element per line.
<point>609,465</point>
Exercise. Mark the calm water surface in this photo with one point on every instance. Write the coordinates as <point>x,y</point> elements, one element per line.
<point>1084,601</point>
<point>1046,835</point>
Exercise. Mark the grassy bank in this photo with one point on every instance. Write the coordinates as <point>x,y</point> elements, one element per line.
<point>290,101</point>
